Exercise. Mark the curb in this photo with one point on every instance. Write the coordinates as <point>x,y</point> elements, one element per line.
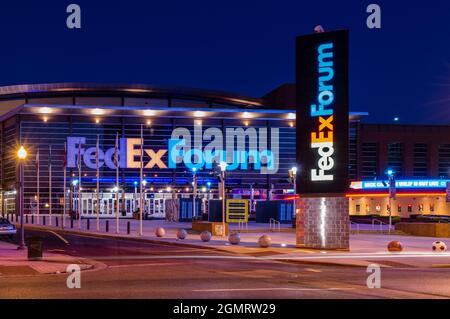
<point>331,263</point>
<point>121,237</point>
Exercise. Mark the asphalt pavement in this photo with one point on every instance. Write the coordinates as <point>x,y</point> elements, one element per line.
<point>133,269</point>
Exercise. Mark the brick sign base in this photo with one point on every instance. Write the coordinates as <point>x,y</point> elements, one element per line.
<point>323,223</point>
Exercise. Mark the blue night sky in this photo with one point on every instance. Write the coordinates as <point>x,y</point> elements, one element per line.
<point>245,47</point>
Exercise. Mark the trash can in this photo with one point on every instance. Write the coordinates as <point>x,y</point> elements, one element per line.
<point>34,248</point>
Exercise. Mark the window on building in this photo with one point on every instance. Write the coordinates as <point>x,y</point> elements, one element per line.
<point>431,207</point>
<point>420,207</point>
<point>367,208</point>
<point>444,160</point>
<point>409,208</point>
<point>395,157</point>
<point>378,208</point>
<point>353,151</point>
<point>358,208</point>
<point>388,208</point>
<point>369,160</point>
<point>420,165</point>
<point>399,208</point>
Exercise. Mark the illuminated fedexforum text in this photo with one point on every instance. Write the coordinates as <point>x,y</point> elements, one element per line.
<point>322,139</point>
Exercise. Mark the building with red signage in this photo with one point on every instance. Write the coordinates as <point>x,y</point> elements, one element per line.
<point>414,152</point>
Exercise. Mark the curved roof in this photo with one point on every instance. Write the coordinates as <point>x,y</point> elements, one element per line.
<point>64,89</point>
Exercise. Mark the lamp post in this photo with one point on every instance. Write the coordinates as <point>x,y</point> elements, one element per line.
<point>293,177</point>
<point>135,183</point>
<point>392,190</point>
<point>223,167</point>
<point>142,202</point>
<point>21,154</point>
<point>194,191</point>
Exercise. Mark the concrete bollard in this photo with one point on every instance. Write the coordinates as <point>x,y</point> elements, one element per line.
<point>264,241</point>
<point>32,219</point>
<point>107,225</point>
<point>88,224</point>
<point>71,222</point>
<point>234,238</point>
<point>56,221</point>
<point>43,220</point>
<point>205,236</point>
<point>181,234</point>
<point>128,227</point>
<point>160,232</point>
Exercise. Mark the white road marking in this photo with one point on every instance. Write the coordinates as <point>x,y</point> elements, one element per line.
<point>268,289</point>
<point>144,265</point>
<point>313,270</point>
<point>59,236</point>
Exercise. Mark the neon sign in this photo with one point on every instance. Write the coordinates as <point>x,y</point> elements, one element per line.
<point>410,183</point>
<point>322,113</point>
<point>322,139</point>
<point>244,149</point>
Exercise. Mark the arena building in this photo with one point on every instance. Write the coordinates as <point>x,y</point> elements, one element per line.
<point>59,126</point>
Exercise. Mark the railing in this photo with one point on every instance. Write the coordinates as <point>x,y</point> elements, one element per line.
<point>357,226</point>
<point>274,224</point>
<point>380,223</point>
<point>242,223</point>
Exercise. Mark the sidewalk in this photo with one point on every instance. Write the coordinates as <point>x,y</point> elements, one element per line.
<point>364,248</point>
<point>14,262</point>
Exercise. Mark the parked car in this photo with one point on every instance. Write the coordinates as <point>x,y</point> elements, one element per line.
<point>6,228</point>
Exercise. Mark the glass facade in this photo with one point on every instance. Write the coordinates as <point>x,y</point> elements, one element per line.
<point>47,138</point>
<point>46,115</point>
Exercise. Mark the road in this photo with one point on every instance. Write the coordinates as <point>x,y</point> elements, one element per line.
<point>134,269</point>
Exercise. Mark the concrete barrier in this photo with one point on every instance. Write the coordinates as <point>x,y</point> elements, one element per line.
<point>215,228</point>
<point>425,229</point>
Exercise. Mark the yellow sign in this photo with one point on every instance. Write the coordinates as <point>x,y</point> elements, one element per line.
<point>237,210</point>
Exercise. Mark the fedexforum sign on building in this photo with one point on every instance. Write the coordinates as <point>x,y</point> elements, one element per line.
<point>79,127</point>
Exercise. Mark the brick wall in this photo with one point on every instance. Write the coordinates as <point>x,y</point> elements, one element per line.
<point>323,222</point>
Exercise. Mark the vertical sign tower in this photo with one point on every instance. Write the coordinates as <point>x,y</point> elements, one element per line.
<point>322,140</point>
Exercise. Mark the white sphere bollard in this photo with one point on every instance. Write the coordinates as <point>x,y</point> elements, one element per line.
<point>264,241</point>
<point>205,236</point>
<point>439,246</point>
<point>181,234</point>
<point>160,232</point>
<point>234,238</point>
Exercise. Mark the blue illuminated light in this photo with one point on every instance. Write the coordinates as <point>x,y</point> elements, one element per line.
<point>413,183</point>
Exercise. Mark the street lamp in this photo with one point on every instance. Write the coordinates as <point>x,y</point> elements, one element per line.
<point>223,167</point>
<point>293,178</point>
<point>21,154</point>
<point>392,190</point>
<point>142,209</point>
<point>135,183</point>
<point>194,191</point>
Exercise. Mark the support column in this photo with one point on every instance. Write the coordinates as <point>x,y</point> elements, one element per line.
<point>323,223</point>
